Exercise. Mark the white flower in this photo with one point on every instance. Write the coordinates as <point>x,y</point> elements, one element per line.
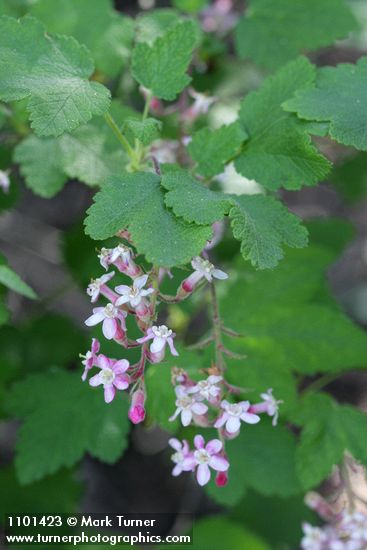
<point>108,256</point>
<point>94,288</point>
<point>4,181</point>
<point>207,388</point>
<point>232,415</point>
<point>187,406</point>
<point>201,105</point>
<point>314,539</point>
<point>183,458</point>
<point>161,336</point>
<point>135,293</point>
<point>207,269</point>
<point>272,405</point>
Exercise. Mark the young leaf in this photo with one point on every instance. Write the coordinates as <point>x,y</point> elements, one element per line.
<point>162,67</point>
<point>211,149</point>
<point>11,280</point>
<point>263,225</point>
<point>279,152</point>
<point>272,33</point>
<point>52,72</point>
<point>193,201</point>
<point>136,201</point>
<point>338,98</point>
<point>69,417</point>
<point>145,131</point>
<point>106,33</point>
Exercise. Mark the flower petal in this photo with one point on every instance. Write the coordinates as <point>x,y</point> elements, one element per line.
<point>175,444</point>
<point>109,328</point>
<point>95,318</point>
<point>203,474</point>
<point>186,417</point>
<point>172,346</point>
<point>95,380</point>
<point>250,418</point>
<point>140,281</point>
<point>219,463</point>
<point>199,408</point>
<point>122,289</point>
<point>122,300</point>
<point>214,446</point>
<point>121,366</point>
<point>219,274</point>
<point>221,420</point>
<point>158,344</point>
<point>199,441</point>
<point>233,424</point>
<point>177,470</point>
<point>188,463</point>
<point>109,393</point>
<point>121,381</point>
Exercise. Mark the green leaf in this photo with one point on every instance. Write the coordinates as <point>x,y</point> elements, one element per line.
<point>67,417</point>
<point>145,131</point>
<point>262,458</point>
<point>41,165</point>
<point>52,72</point>
<point>106,33</point>
<point>11,280</point>
<point>338,98</point>
<point>90,153</point>
<point>219,532</point>
<point>211,149</point>
<point>136,201</point>
<point>279,152</point>
<point>193,201</point>
<point>273,33</point>
<point>329,430</point>
<point>190,6</point>
<point>263,225</point>
<point>64,487</point>
<point>162,67</point>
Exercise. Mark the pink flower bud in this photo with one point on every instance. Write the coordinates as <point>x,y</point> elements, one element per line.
<point>221,479</point>
<point>137,410</point>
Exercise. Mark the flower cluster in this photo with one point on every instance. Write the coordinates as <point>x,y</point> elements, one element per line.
<point>344,531</point>
<point>206,403</point>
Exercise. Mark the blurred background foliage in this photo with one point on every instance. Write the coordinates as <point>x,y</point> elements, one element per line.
<point>296,321</point>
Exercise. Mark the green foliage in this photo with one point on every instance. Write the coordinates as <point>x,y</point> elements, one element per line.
<point>350,178</point>
<point>261,223</point>
<point>94,23</point>
<point>35,498</point>
<point>262,458</point>
<point>279,152</point>
<point>90,153</point>
<point>52,72</point>
<point>339,98</point>
<point>11,280</point>
<point>136,201</point>
<point>329,430</point>
<point>211,149</point>
<point>145,131</point>
<point>271,33</point>
<point>162,67</point>
<point>61,413</point>
<point>220,532</point>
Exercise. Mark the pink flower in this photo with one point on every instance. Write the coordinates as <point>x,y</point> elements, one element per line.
<point>112,376</point>
<point>206,457</point>
<point>183,458</point>
<point>137,410</point>
<point>187,406</point>
<point>121,257</point>
<point>314,538</point>
<point>98,286</point>
<point>221,479</point>
<point>203,269</point>
<point>208,388</point>
<point>110,317</point>
<point>134,294</point>
<point>270,405</point>
<point>200,106</point>
<point>161,336</point>
<point>233,414</point>
<point>90,358</point>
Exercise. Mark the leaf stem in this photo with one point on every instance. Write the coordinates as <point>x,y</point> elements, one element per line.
<point>217,330</point>
<point>321,382</point>
<point>122,139</point>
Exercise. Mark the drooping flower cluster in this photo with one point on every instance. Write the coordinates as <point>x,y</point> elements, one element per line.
<point>206,403</point>
<point>344,530</point>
